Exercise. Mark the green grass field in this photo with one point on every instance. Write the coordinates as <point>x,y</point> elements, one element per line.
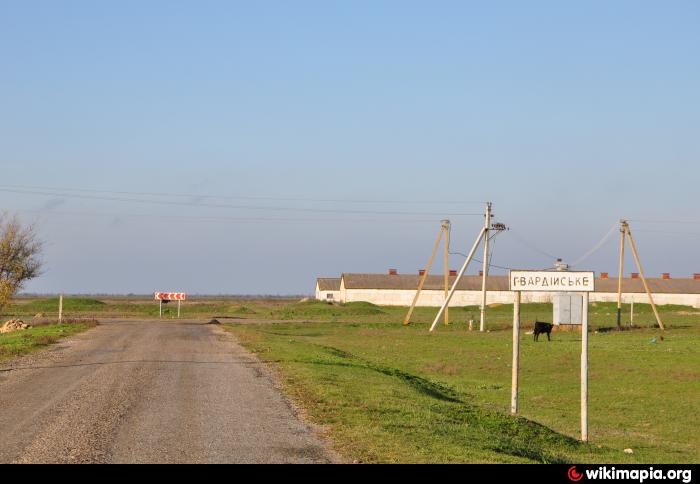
<point>387,393</point>
<point>500,316</point>
<point>141,307</point>
<point>19,343</point>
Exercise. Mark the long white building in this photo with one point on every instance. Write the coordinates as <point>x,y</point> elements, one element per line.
<point>395,289</point>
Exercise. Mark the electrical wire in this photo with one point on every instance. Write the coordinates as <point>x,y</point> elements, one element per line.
<point>531,246</point>
<point>666,232</point>
<point>240,207</point>
<point>679,222</point>
<point>596,247</point>
<point>221,219</point>
<point>474,259</point>
<point>224,197</point>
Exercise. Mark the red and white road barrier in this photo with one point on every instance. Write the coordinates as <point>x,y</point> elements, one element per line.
<point>170,296</point>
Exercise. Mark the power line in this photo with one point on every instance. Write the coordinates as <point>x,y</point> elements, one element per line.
<point>531,246</point>
<point>222,219</point>
<point>225,197</point>
<point>239,207</point>
<point>678,222</point>
<point>596,247</point>
<point>474,258</point>
<point>667,232</point>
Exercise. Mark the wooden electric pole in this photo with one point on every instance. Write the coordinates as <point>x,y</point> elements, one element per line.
<point>446,228</point>
<point>621,273</point>
<point>485,265</point>
<point>625,229</point>
<point>470,256</point>
<point>444,231</point>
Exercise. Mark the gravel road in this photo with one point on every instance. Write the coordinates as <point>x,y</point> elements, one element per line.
<point>149,391</point>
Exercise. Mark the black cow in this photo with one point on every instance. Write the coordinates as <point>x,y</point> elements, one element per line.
<point>543,328</point>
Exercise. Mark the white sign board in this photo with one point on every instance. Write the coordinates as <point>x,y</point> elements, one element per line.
<point>551,281</point>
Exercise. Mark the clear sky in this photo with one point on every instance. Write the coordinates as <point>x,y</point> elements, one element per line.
<point>567,115</point>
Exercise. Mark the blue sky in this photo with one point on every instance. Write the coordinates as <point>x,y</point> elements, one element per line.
<point>568,116</point>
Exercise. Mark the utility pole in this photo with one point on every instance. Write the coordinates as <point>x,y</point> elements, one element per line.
<point>446,228</point>
<point>470,256</point>
<point>625,229</point>
<point>444,231</point>
<point>485,270</point>
<point>623,223</point>
<point>644,280</point>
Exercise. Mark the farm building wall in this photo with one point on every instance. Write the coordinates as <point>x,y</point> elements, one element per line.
<point>328,289</point>
<point>327,295</point>
<point>660,299</point>
<point>432,298</point>
<point>395,290</point>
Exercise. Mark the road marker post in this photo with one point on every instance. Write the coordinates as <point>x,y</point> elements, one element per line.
<point>166,297</point>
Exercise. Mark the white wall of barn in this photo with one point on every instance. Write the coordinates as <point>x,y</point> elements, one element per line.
<point>435,298</point>
<point>323,295</point>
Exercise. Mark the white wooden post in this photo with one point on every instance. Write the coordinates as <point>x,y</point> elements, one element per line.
<point>160,308</point>
<point>178,308</point>
<point>584,369</point>
<point>516,355</point>
<point>60,308</point>
<point>632,312</point>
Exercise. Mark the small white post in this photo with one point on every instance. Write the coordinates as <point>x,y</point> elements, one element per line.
<point>178,308</point>
<point>60,308</point>
<point>160,308</point>
<point>584,369</point>
<point>632,312</point>
<point>516,355</point>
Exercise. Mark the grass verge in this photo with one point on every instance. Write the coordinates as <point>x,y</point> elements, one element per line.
<point>21,342</point>
<point>392,394</point>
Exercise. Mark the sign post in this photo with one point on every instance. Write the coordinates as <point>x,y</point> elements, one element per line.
<point>516,355</point>
<point>584,370</point>
<point>170,296</point>
<point>552,281</point>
